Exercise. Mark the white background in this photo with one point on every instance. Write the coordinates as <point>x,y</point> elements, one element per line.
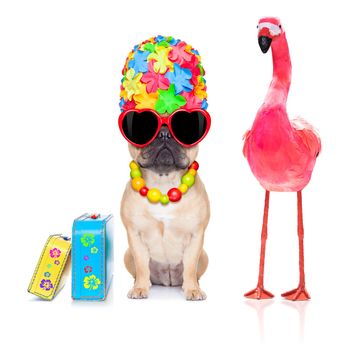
<point>62,155</point>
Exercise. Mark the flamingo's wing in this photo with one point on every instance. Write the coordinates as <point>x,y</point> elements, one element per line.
<point>308,135</point>
<point>245,139</point>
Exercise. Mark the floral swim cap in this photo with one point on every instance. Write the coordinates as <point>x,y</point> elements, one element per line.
<point>163,74</point>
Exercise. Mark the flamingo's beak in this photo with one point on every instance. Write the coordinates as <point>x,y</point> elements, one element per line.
<point>264,43</point>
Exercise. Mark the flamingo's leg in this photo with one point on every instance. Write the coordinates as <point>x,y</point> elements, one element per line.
<point>299,293</point>
<point>259,292</point>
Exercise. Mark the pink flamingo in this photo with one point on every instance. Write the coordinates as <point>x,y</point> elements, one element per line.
<point>281,152</point>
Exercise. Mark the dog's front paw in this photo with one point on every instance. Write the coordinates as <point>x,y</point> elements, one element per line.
<point>138,293</point>
<point>195,294</point>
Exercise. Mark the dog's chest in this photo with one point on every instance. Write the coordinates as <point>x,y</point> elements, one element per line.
<point>167,242</point>
<point>181,215</point>
<point>166,215</point>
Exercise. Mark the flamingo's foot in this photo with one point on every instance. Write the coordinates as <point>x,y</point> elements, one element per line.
<point>298,294</point>
<point>259,293</point>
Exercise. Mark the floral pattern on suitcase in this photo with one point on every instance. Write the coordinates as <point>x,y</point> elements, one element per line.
<point>91,282</point>
<point>46,284</point>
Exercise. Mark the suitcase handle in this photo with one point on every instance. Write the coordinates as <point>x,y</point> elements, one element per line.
<point>95,216</point>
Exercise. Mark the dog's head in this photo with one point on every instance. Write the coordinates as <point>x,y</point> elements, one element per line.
<point>164,75</point>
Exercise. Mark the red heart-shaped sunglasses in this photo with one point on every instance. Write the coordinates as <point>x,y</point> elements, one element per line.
<point>187,127</point>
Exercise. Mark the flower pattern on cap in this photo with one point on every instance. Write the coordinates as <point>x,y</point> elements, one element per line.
<point>131,83</point>
<point>168,101</point>
<point>153,80</point>
<point>180,77</point>
<point>163,74</point>
<point>139,62</point>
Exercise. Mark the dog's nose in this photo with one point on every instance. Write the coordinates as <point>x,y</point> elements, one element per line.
<point>164,134</point>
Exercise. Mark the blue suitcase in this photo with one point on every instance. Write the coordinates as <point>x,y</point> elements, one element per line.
<point>92,256</point>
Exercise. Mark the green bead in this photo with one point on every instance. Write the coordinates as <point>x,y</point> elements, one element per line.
<point>135,173</point>
<point>188,179</point>
<point>164,199</point>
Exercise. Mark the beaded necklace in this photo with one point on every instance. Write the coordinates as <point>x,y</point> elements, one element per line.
<point>153,194</point>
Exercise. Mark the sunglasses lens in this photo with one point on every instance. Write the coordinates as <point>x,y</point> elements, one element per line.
<point>140,128</point>
<point>188,127</point>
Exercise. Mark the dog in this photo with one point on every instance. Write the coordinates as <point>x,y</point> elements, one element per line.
<point>165,241</point>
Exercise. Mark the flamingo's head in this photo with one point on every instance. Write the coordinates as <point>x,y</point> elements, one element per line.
<point>269,29</point>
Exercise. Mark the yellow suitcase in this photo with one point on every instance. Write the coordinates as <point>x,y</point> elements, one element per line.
<point>52,268</point>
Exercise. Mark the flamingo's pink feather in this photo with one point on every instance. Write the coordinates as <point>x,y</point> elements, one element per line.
<point>281,152</point>
<point>308,134</point>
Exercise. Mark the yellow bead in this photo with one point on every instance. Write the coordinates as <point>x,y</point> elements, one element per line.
<point>153,195</point>
<point>133,165</point>
<point>183,188</point>
<point>137,183</point>
<point>192,172</point>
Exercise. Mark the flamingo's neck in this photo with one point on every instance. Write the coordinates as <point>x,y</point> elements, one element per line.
<point>282,70</point>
